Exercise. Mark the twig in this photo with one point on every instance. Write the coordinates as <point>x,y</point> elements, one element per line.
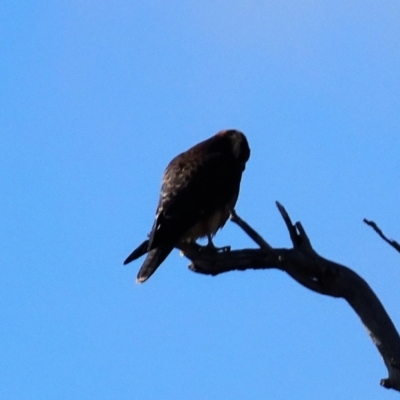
<point>250,231</point>
<point>376,228</point>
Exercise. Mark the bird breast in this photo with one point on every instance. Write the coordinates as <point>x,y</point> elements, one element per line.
<point>207,226</point>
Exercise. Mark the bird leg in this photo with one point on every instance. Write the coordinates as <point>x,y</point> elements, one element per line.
<point>210,247</point>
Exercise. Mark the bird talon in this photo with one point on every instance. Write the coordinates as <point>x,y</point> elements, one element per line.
<point>225,249</point>
<point>211,249</point>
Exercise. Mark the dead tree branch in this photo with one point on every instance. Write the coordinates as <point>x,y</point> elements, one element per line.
<point>314,272</point>
<point>376,228</point>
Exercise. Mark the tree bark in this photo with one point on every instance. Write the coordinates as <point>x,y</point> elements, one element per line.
<point>314,272</point>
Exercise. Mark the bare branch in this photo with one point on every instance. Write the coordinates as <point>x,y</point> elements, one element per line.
<point>316,273</point>
<point>250,231</point>
<point>376,228</point>
<point>290,227</point>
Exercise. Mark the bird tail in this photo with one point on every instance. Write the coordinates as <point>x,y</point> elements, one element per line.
<point>138,252</point>
<point>152,262</point>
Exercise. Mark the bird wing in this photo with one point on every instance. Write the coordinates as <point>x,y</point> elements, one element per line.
<point>194,186</point>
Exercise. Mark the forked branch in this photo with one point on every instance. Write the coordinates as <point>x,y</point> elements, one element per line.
<point>316,273</point>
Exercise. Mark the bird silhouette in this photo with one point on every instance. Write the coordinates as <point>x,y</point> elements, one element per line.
<point>199,189</point>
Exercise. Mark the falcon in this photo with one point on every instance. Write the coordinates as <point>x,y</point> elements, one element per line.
<point>199,189</point>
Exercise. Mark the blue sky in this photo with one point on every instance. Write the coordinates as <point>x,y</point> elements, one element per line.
<point>96,98</point>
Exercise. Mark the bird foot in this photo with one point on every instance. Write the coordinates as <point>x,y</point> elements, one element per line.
<point>207,249</point>
<point>211,249</point>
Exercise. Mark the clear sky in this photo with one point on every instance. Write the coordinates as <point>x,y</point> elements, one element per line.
<point>96,98</point>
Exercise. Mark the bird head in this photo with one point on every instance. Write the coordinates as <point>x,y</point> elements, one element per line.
<point>238,144</point>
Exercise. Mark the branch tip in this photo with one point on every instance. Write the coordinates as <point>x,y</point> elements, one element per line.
<point>302,233</point>
<point>294,236</point>
<point>376,228</point>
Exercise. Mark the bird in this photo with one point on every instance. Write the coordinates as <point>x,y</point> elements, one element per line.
<point>199,189</point>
